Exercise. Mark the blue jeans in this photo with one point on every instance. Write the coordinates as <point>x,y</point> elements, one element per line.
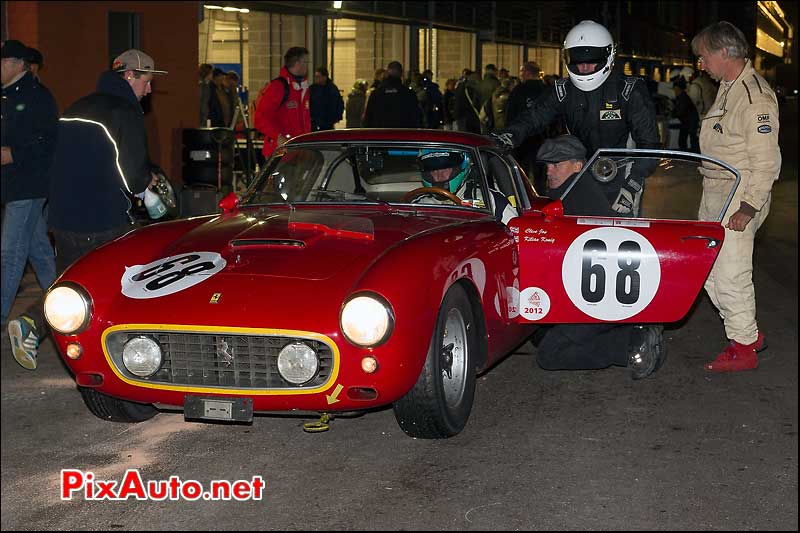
<point>25,238</point>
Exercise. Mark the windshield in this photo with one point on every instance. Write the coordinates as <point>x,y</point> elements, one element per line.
<point>352,173</point>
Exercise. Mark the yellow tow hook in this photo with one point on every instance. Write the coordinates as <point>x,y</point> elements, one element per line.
<point>320,425</point>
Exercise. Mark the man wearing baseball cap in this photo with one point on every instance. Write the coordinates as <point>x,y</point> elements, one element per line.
<point>29,129</point>
<point>101,160</point>
<point>590,346</point>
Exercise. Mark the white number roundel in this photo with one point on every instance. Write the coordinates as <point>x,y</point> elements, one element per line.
<point>611,273</point>
<point>170,275</point>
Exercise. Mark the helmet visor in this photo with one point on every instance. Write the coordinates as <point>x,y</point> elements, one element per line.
<point>586,54</point>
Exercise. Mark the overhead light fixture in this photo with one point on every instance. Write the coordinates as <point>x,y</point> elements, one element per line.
<point>213,7</point>
<point>245,10</point>
<point>234,9</point>
<point>337,5</point>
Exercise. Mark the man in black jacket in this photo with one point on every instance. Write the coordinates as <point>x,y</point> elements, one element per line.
<point>29,129</point>
<point>686,112</point>
<point>600,107</point>
<point>590,346</point>
<point>327,106</point>
<point>101,159</point>
<point>520,101</point>
<point>393,105</point>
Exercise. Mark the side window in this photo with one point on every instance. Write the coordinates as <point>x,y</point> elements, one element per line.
<point>500,178</point>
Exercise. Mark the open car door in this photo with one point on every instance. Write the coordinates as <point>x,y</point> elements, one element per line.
<point>579,269</point>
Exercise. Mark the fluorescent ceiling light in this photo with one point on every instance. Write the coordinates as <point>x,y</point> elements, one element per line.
<point>337,5</point>
<point>213,7</point>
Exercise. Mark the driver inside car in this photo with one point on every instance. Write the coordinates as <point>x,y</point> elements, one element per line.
<point>450,171</point>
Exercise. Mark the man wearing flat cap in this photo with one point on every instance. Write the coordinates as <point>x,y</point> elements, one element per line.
<point>589,346</point>
<point>565,157</point>
<point>29,129</point>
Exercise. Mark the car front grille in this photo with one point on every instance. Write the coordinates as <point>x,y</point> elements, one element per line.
<point>221,360</point>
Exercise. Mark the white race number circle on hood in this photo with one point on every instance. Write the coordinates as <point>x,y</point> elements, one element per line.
<point>170,275</point>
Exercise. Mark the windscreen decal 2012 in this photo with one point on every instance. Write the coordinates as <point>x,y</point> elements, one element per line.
<point>169,275</point>
<point>611,273</point>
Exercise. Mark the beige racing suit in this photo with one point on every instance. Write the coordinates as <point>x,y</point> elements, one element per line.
<point>741,128</point>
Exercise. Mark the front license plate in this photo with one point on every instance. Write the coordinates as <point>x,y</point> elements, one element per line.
<point>224,409</point>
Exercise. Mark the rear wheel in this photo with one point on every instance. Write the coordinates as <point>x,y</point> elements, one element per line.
<point>439,404</point>
<point>114,409</point>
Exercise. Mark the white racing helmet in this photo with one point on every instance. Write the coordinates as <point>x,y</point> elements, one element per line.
<point>589,42</point>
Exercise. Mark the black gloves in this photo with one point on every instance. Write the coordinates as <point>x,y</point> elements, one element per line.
<point>502,141</point>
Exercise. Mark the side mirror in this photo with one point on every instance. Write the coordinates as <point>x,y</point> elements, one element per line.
<point>553,209</point>
<point>230,203</point>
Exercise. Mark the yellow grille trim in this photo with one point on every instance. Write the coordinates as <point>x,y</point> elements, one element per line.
<point>223,329</point>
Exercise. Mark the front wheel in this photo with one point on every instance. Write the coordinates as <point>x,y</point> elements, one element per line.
<point>114,409</point>
<point>439,404</point>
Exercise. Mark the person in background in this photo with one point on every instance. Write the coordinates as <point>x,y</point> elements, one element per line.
<point>487,87</point>
<point>709,89</point>
<point>380,75</point>
<point>393,105</point>
<point>467,103</point>
<point>283,106</point>
<point>36,61</point>
<point>29,132</point>
<point>741,128</point>
<point>327,106</point>
<point>500,101</point>
<point>685,111</point>
<point>355,104</point>
<point>232,86</point>
<point>219,104</point>
<point>432,103</point>
<point>449,105</point>
<point>520,101</point>
<point>205,73</point>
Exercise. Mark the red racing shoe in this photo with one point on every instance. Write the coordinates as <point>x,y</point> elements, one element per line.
<point>737,357</point>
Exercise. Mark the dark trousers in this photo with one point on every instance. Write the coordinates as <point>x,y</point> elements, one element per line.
<point>689,133</point>
<point>583,346</point>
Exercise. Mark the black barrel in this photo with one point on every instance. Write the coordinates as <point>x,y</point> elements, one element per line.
<point>208,156</point>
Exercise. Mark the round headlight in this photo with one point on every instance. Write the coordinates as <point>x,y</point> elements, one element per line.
<point>367,320</point>
<point>141,356</point>
<point>297,363</point>
<point>67,308</point>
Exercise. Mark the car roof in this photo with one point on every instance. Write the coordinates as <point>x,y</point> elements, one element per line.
<point>401,135</point>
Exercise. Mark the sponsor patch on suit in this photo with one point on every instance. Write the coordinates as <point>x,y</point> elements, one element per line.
<point>610,114</point>
<point>763,118</point>
<point>765,128</point>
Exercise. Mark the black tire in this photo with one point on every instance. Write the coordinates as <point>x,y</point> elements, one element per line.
<point>114,409</point>
<point>439,406</point>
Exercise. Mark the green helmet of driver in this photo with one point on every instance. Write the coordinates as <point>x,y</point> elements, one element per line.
<point>431,160</point>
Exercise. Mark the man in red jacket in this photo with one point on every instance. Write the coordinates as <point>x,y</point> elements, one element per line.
<point>282,109</point>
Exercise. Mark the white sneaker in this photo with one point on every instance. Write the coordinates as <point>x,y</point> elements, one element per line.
<point>24,341</point>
